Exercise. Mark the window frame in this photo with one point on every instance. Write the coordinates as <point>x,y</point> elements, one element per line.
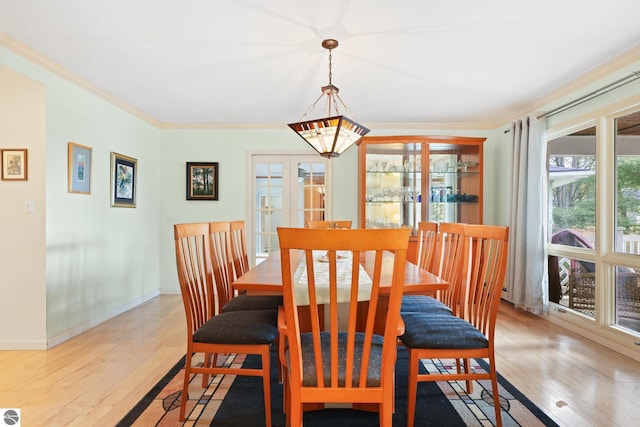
<point>603,327</point>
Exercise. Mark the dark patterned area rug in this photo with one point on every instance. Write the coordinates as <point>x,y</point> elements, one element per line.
<point>237,401</point>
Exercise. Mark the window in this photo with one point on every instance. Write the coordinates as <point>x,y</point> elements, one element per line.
<point>572,192</point>
<point>627,220</point>
<point>627,149</point>
<point>594,223</point>
<point>572,179</point>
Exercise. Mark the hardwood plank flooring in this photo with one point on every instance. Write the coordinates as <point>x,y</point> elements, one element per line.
<point>96,377</point>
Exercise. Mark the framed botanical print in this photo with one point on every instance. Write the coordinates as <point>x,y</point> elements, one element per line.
<point>202,181</point>
<point>79,168</point>
<point>124,177</point>
<point>14,164</point>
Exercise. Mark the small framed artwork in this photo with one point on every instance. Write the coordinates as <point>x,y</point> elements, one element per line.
<point>124,177</point>
<point>14,164</point>
<point>202,181</point>
<point>79,168</point>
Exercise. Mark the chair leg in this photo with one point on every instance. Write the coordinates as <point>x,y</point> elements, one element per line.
<point>467,369</point>
<point>295,412</point>
<point>413,387</point>
<point>386,411</point>
<point>495,391</point>
<point>185,386</point>
<point>206,362</point>
<point>266,380</point>
<point>278,347</point>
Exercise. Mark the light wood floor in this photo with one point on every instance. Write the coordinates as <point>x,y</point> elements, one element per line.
<point>95,378</point>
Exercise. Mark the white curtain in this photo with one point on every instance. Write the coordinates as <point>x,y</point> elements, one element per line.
<point>527,278</point>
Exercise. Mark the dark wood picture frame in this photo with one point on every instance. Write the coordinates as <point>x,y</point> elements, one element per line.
<point>202,180</point>
<point>14,164</point>
<point>124,180</point>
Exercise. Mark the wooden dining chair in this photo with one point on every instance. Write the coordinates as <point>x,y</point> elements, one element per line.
<point>471,336</point>
<point>239,248</point>
<point>222,254</point>
<point>328,224</point>
<point>332,361</point>
<point>447,264</point>
<point>208,330</point>
<point>427,245</point>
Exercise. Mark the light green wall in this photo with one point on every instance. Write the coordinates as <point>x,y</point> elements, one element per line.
<point>99,260</point>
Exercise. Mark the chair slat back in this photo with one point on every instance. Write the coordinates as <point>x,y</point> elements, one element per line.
<point>329,224</point>
<point>221,260</point>
<point>193,261</point>
<point>427,244</point>
<point>487,251</point>
<point>449,261</point>
<point>239,248</point>
<point>322,268</point>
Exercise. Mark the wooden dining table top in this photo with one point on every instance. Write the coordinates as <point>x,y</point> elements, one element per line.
<point>266,277</point>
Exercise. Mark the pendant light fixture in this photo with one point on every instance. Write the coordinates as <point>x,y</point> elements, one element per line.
<point>334,134</point>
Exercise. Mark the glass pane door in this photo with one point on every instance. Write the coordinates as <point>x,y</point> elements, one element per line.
<point>287,191</point>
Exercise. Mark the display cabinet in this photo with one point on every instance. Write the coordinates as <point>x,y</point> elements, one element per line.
<point>407,179</point>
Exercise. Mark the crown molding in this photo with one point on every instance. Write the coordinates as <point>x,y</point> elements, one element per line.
<point>606,70</point>
<point>39,59</point>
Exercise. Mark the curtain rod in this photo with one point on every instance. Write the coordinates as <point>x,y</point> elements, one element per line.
<point>608,88</point>
<point>509,130</point>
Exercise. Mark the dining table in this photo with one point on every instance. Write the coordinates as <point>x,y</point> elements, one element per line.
<point>266,277</point>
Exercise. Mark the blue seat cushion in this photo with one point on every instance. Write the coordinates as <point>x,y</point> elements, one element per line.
<point>239,327</point>
<point>423,304</point>
<point>253,302</point>
<point>309,365</point>
<point>440,331</point>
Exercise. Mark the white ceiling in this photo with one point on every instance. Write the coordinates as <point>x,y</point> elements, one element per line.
<point>249,62</point>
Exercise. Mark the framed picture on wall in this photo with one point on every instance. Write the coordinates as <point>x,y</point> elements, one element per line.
<point>124,177</point>
<point>79,168</point>
<point>202,181</point>
<point>14,164</point>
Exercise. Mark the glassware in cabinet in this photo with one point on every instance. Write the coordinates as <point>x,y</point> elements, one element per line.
<point>455,181</point>
<point>392,185</point>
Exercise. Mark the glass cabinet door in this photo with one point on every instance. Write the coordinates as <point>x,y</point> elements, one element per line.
<point>454,183</point>
<point>393,185</point>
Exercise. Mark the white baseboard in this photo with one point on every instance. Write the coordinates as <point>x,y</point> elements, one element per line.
<point>77,330</point>
<point>23,345</point>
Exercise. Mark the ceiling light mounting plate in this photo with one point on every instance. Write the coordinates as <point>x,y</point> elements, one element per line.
<point>330,43</point>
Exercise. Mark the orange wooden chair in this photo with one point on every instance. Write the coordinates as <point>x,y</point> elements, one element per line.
<point>334,361</point>
<point>447,263</point>
<point>443,336</point>
<point>224,251</point>
<point>328,224</point>
<point>427,244</point>
<point>239,248</point>
<point>208,330</point>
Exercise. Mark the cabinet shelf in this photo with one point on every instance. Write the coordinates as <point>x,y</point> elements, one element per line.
<point>454,173</point>
<point>386,202</point>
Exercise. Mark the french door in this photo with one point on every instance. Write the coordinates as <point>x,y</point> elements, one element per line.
<point>287,190</point>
